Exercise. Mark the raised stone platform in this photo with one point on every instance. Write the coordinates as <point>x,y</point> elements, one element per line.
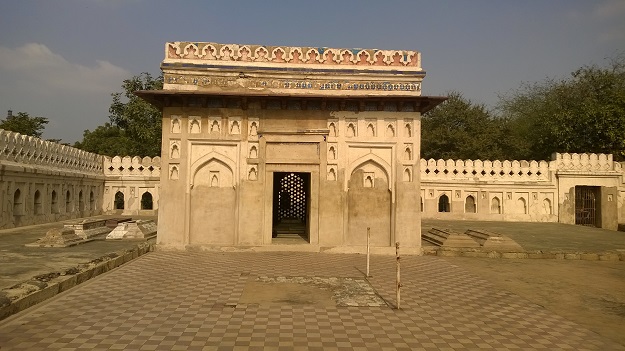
<point>133,230</point>
<point>73,234</point>
<point>494,241</point>
<point>449,238</point>
<point>89,229</point>
<point>58,237</point>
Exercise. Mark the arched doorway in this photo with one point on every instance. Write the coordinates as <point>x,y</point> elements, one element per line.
<point>119,200</point>
<point>443,203</point>
<point>146,201</point>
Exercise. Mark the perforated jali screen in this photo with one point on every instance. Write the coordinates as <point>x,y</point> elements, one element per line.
<point>292,197</point>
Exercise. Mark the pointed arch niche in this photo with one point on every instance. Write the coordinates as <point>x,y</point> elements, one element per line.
<point>368,192</point>
<point>212,203</point>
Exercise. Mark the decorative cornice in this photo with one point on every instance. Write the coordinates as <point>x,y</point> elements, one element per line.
<point>294,84</point>
<point>285,55</point>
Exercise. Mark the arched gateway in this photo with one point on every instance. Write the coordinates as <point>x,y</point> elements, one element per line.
<point>270,145</point>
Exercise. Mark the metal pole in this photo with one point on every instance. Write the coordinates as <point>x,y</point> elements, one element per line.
<point>398,270</point>
<point>368,242</point>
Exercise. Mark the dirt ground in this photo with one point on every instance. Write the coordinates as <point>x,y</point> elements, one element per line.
<point>591,293</point>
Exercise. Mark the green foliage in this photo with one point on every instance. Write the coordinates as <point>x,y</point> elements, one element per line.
<point>460,129</point>
<point>584,113</point>
<point>135,125</point>
<point>24,124</point>
<point>106,140</point>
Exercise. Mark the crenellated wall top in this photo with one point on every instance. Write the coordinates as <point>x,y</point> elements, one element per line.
<point>290,55</point>
<point>478,170</point>
<point>132,166</point>
<point>566,162</point>
<point>26,150</point>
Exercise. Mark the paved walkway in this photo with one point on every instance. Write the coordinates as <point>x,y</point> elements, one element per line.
<point>190,301</point>
<point>19,263</point>
<point>541,236</point>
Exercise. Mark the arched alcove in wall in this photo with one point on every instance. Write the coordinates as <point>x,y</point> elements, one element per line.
<point>119,200</point>
<point>37,203</point>
<point>81,201</point>
<point>54,202</point>
<point>469,204</point>
<point>521,205</point>
<point>443,204</point>
<point>495,205</point>
<point>91,201</point>
<point>68,202</point>
<point>368,193</point>
<point>147,201</point>
<point>213,201</point>
<point>547,207</point>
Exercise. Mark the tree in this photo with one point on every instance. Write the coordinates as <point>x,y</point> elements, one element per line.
<point>135,125</point>
<point>106,140</point>
<point>24,124</point>
<point>584,113</point>
<point>460,129</point>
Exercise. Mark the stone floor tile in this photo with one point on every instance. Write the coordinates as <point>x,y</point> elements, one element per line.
<point>189,300</point>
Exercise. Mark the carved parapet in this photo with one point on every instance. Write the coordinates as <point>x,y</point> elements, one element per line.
<point>27,151</point>
<point>302,71</point>
<point>586,163</point>
<point>289,55</point>
<point>132,166</point>
<point>478,170</point>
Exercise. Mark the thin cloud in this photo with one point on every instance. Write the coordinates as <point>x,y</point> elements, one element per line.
<point>606,17</point>
<point>37,67</point>
<point>609,9</point>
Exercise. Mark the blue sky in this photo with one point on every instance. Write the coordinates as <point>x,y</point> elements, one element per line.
<point>62,59</point>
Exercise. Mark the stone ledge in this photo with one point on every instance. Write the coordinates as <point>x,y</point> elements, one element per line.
<point>616,255</point>
<point>44,286</point>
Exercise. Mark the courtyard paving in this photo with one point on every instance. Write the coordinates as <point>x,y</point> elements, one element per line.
<point>193,301</point>
<point>541,236</point>
<point>19,263</point>
<point>245,300</point>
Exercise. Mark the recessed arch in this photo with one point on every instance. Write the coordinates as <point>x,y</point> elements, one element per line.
<point>81,201</point>
<point>147,201</point>
<point>119,200</point>
<point>376,160</point>
<point>18,205</point>
<point>443,203</point>
<point>547,206</point>
<point>390,131</point>
<point>407,175</point>
<point>54,202</point>
<point>37,203</point>
<point>469,204</point>
<point>332,128</point>
<point>495,205</point>
<point>68,202</point>
<point>521,205</point>
<point>213,157</point>
<point>91,201</point>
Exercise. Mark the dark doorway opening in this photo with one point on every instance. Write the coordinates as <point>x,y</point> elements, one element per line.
<point>586,201</point>
<point>291,197</point>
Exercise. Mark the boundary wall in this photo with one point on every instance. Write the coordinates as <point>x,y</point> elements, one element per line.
<point>136,180</point>
<point>534,191</point>
<point>42,181</point>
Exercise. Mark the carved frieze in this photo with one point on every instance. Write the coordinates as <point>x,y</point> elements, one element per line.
<point>308,84</point>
